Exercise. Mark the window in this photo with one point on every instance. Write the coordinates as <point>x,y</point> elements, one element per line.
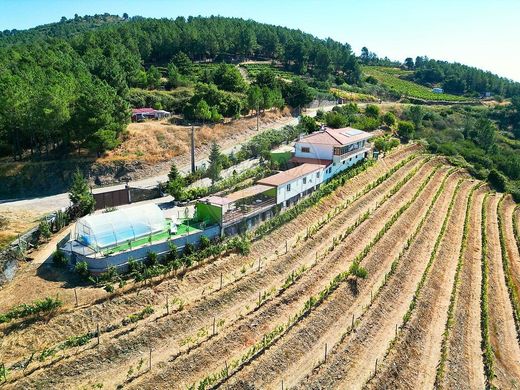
<point>289,187</point>
<point>317,175</point>
<point>306,149</point>
<point>304,180</point>
<point>343,162</point>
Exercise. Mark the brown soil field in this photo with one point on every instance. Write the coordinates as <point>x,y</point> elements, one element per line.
<point>158,141</point>
<point>417,311</point>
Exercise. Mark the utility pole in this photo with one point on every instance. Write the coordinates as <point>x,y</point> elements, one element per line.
<point>192,149</point>
<point>257,110</point>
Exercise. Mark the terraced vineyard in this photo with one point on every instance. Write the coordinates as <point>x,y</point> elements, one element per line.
<point>392,78</point>
<point>439,299</point>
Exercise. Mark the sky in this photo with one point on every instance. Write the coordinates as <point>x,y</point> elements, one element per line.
<point>479,33</point>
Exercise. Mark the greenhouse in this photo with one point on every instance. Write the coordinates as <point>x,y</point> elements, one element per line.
<point>107,230</point>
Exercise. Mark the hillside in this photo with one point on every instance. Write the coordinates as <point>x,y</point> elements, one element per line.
<point>437,248</point>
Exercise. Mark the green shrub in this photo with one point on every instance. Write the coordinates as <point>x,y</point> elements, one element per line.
<point>44,229</point>
<point>204,242</point>
<point>81,269</point>
<point>59,259</point>
<point>497,180</point>
<point>189,249</point>
<point>151,259</point>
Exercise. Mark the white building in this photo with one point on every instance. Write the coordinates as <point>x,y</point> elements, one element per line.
<point>335,149</point>
<point>295,183</point>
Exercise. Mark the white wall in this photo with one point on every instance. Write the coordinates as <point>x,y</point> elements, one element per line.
<point>335,168</point>
<point>298,187</point>
<point>323,152</point>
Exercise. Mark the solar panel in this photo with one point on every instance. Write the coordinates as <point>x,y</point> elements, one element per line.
<point>352,132</point>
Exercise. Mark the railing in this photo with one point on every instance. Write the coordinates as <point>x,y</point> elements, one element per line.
<point>248,210</point>
<point>343,156</point>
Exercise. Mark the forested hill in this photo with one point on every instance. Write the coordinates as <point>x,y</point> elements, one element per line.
<point>66,84</point>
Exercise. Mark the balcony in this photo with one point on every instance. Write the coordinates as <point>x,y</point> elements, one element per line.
<point>247,211</point>
<point>341,157</point>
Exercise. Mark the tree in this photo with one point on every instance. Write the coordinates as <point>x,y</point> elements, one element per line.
<point>406,130</point>
<point>372,111</point>
<point>408,63</point>
<point>335,120</point>
<point>153,77</point>
<point>174,173</point>
<point>228,78</point>
<point>308,123</point>
<point>202,111</point>
<point>497,180</point>
<point>416,115</point>
<point>183,63</point>
<point>79,194</point>
<point>485,134</point>
<point>254,98</point>
<point>215,163</point>
<point>389,119</point>
<point>298,94</point>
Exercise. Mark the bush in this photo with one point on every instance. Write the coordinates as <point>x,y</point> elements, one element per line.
<point>81,268</point>
<point>204,242</point>
<point>189,249</point>
<point>44,229</point>
<point>372,111</point>
<point>151,259</point>
<point>406,130</point>
<point>59,259</point>
<point>497,180</point>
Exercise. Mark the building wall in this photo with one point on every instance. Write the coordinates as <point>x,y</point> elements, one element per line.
<point>323,152</point>
<point>337,167</point>
<point>298,187</point>
<point>209,212</point>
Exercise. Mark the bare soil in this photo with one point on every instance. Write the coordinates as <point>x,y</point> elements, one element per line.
<point>303,346</point>
<point>502,330</point>
<point>464,366</point>
<point>352,361</point>
<point>418,346</point>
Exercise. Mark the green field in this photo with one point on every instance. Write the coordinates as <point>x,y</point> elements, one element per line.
<point>163,235</point>
<point>391,77</point>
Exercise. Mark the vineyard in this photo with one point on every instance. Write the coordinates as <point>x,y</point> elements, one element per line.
<point>409,266</point>
<point>392,78</point>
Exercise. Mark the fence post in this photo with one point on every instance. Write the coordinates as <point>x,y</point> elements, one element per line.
<point>282,384</point>
<point>375,368</point>
<point>286,246</point>
<point>167,305</point>
<point>259,299</point>
<point>352,321</point>
<point>76,296</point>
<point>325,360</point>
<point>220,281</point>
<point>259,264</point>
<point>97,331</point>
<point>213,326</point>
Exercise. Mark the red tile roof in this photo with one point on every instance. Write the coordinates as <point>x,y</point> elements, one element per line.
<point>290,175</point>
<point>336,137</point>
<point>143,110</point>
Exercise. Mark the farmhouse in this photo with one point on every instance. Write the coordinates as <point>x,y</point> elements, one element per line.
<point>140,114</point>
<point>438,90</point>
<point>316,159</point>
<point>336,149</point>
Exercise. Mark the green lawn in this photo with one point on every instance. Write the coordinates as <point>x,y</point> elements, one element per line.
<point>163,235</point>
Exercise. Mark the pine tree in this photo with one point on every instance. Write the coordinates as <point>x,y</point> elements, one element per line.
<point>80,195</point>
<point>215,163</point>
